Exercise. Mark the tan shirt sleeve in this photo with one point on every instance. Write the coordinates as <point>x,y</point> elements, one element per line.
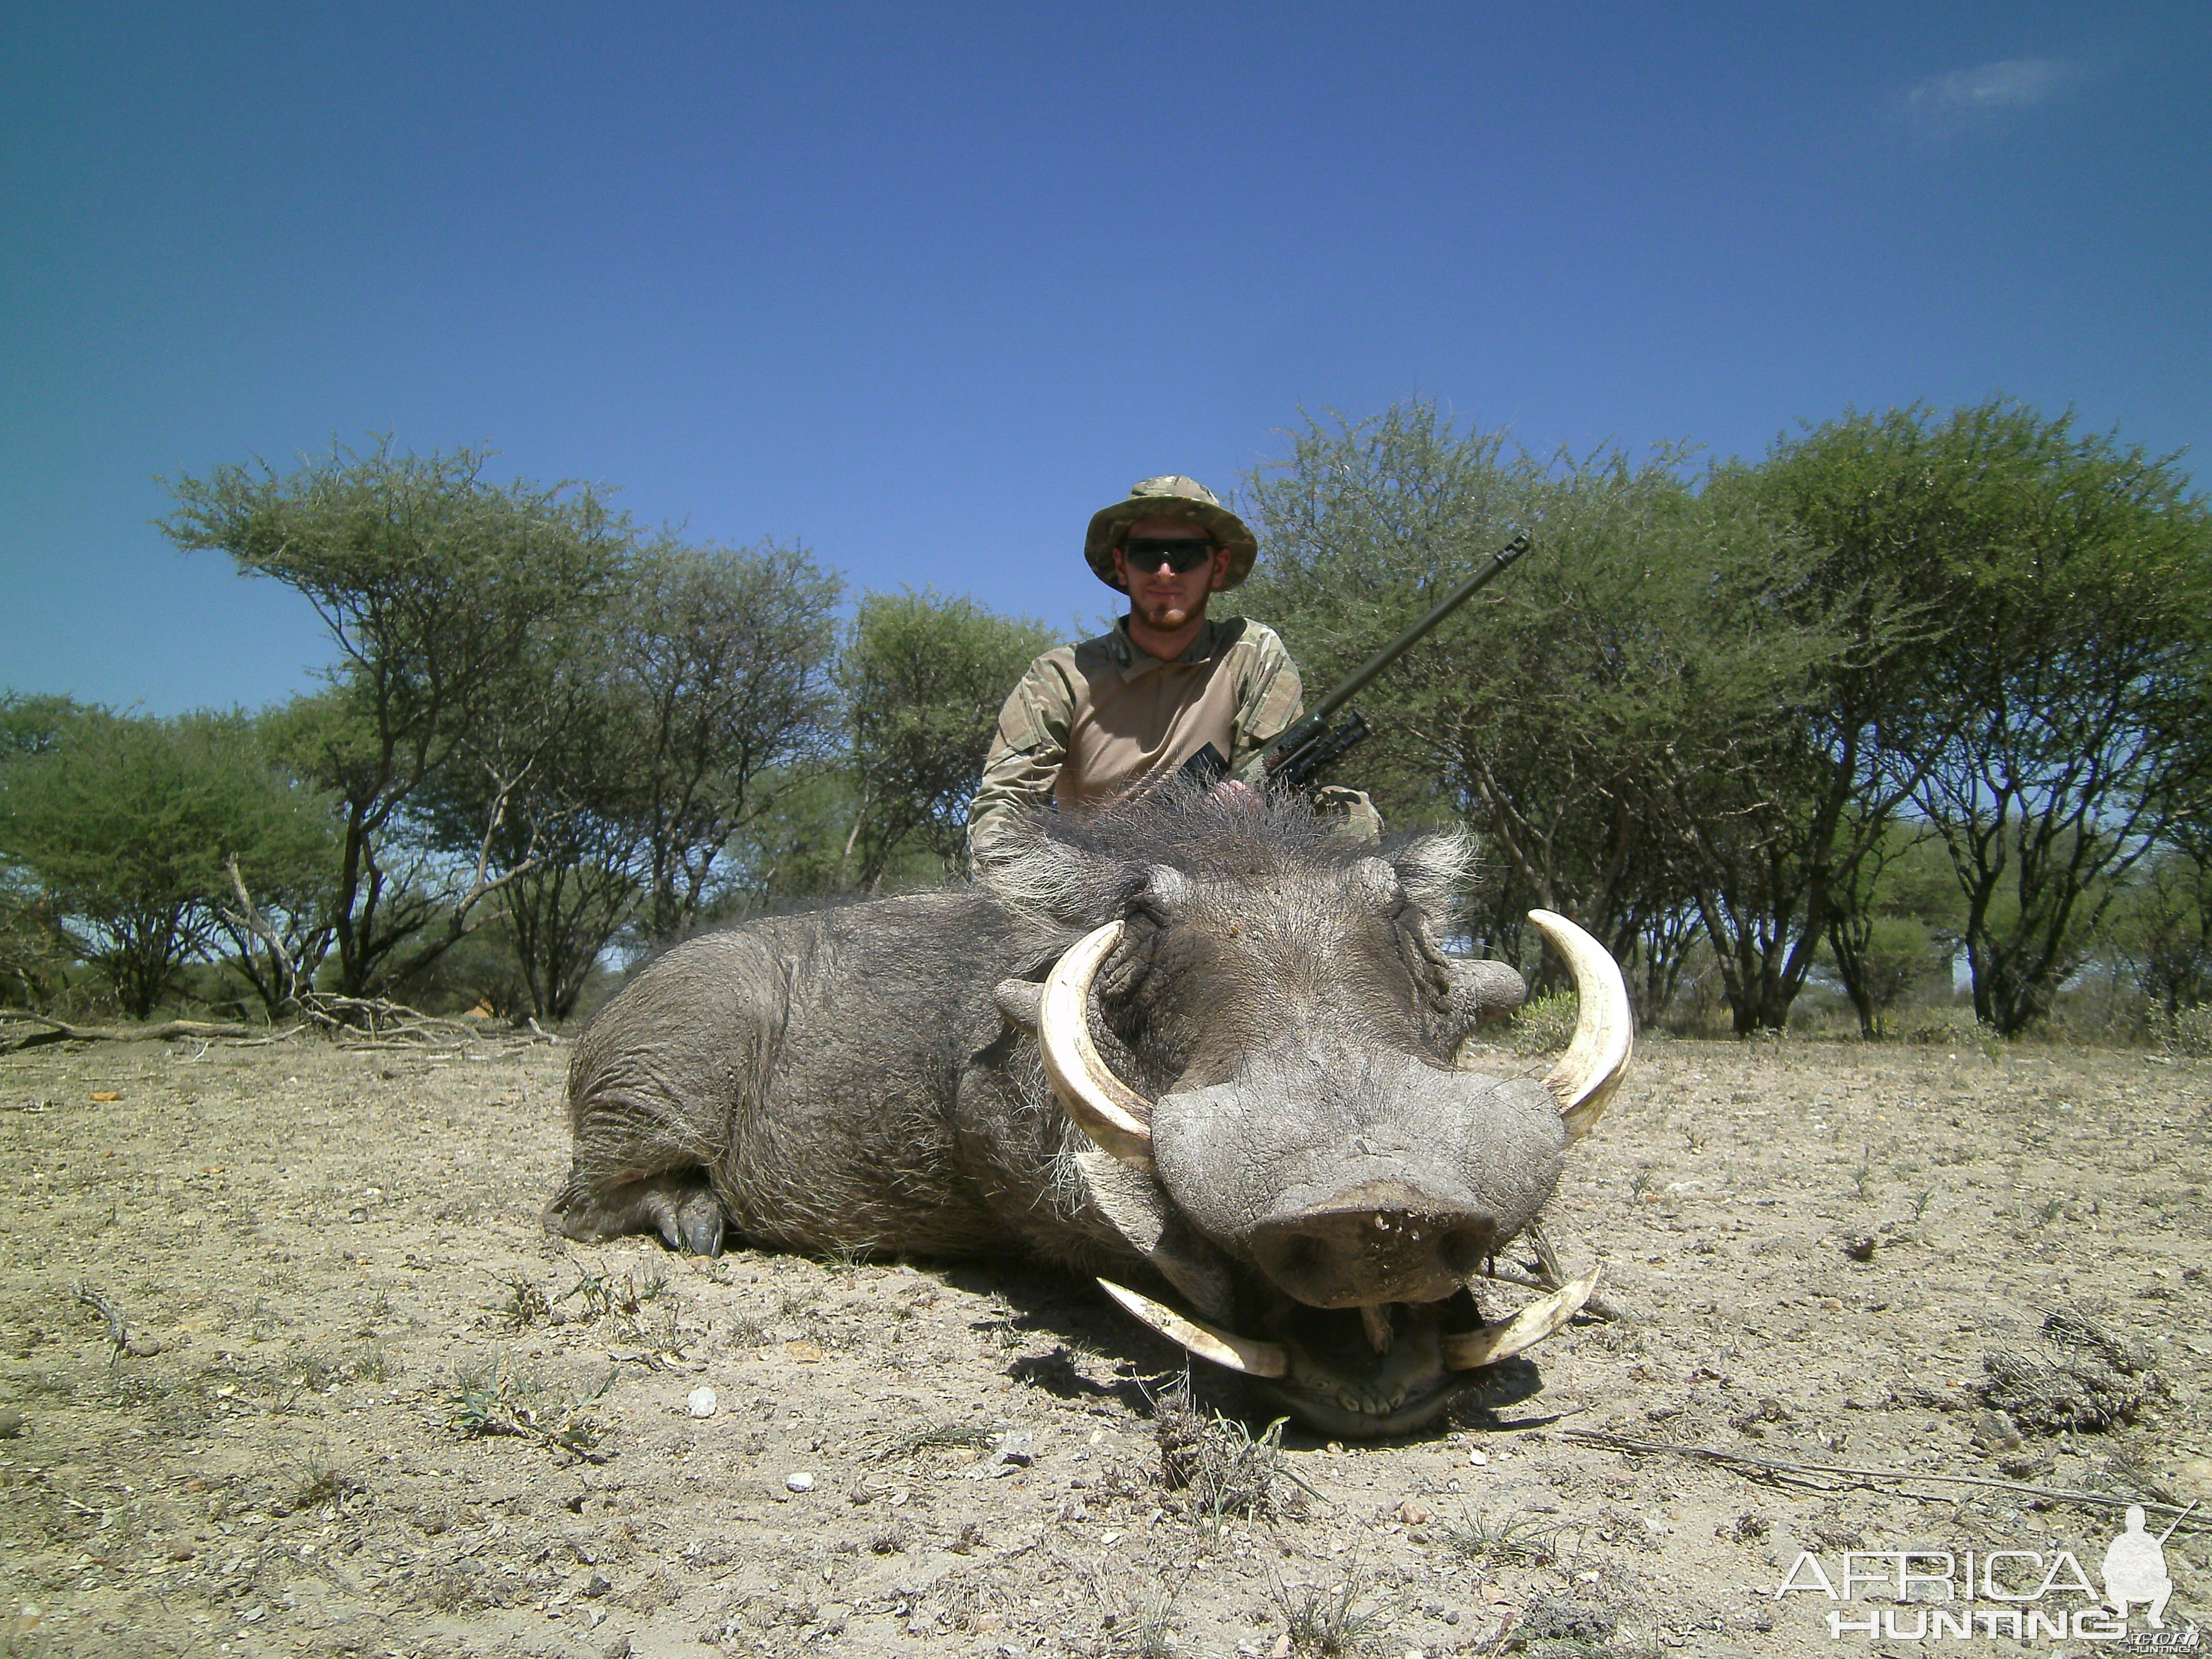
<point>1029,746</point>
<point>1273,696</point>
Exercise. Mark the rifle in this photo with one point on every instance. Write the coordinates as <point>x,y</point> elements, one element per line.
<point>1297,757</point>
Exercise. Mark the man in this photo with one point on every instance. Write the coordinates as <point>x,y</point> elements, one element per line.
<point>1121,713</point>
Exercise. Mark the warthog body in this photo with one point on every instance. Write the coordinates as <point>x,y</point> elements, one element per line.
<point>1293,1156</point>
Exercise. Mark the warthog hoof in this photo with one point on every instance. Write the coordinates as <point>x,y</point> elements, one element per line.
<point>678,1205</point>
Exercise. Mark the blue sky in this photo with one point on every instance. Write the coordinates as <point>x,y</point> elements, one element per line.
<point>925,285</point>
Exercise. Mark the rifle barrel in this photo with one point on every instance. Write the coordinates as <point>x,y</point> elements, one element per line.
<point>1389,653</point>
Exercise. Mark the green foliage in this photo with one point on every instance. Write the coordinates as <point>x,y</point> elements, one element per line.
<point>796,849</point>
<point>481,973</point>
<point>36,948</point>
<point>720,696</point>
<point>1323,1620</point>
<point>121,826</point>
<point>35,726</point>
<point>1897,924</point>
<point>500,1397</point>
<point>924,678</point>
<point>2046,730</point>
<point>644,744</point>
<point>435,583</point>
<point>1914,683</point>
<point>1630,716</point>
<point>2161,928</point>
<point>1732,703</point>
<point>1544,1025</point>
<point>1509,1540</point>
<point>2188,1032</point>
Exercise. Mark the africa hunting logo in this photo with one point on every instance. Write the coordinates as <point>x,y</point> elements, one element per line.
<point>2026,1595</point>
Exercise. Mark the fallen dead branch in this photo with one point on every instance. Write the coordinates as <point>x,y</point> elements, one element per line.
<point>49,1030</point>
<point>347,1019</point>
<point>1838,1477</point>
<point>349,1022</point>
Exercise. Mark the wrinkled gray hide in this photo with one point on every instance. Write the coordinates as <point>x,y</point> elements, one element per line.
<point>867,1077</point>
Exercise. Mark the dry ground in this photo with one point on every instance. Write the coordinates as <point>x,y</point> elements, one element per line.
<point>329,1271</point>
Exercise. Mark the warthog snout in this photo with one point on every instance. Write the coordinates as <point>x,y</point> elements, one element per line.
<point>1375,1241</point>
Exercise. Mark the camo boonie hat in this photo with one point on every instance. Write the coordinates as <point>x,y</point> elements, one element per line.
<point>1171,497</point>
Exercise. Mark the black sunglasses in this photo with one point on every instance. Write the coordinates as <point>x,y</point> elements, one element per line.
<point>1144,556</point>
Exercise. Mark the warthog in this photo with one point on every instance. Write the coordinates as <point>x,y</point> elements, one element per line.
<point>1199,1045</point>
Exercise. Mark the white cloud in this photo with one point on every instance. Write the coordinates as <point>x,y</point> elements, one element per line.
<point>1982,98</point>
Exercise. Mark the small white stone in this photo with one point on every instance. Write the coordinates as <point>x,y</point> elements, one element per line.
<point>1481,1459</point>
<point>800,1482</point>
<point>702,1402</point>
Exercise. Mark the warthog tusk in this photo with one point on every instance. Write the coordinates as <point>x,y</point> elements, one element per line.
<point>1597,1059</point>
<point>1239,1353</point>
<point>1466,1350</point>
<point>1106,1108</point>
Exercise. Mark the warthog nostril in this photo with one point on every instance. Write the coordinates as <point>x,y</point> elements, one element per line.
<point>1354,1258</point>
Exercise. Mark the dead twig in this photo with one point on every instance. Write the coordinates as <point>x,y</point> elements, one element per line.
<point>1553,1276</point>
<point>1538,1242</point>
<point>1829,1477</point>
<point>118,1336</point>
<point>347,1019</point>
<point>288,1034</point>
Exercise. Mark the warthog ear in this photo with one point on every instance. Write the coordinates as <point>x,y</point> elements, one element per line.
<point>1433,869</point>
<point>1378,880</point>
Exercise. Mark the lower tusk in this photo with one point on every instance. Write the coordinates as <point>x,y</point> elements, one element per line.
<point>1377,1318</point>
<point>1466,1350</point>
<point>1238,1354</point>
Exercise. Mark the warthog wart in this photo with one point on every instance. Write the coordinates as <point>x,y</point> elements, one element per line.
<point>1195,1044</point>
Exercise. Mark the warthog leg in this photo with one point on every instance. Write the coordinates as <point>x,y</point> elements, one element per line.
<point>678,1204</point>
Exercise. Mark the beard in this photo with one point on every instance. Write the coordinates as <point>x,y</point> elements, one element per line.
<point>1165,616</point>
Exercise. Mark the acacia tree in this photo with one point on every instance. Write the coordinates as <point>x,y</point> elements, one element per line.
<point>719,689</point>
<point>279,870</point>
<point>1360,524</point>
<point>432,582</point>
<point>125,825</point>
<point>2165,935</point>
<point>36,948</point>
<point>923,677</point>
<point>2163,926</point>
<point>2084,576</point>
<point>1812,635</point>
<point>558,822</point>
<point>1613,715</point>
<point>674,720</point>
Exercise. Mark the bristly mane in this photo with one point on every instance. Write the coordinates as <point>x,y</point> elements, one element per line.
<point>1079,868</point>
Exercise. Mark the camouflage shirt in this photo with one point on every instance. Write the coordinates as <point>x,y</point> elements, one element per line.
<point>1104,718</point>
